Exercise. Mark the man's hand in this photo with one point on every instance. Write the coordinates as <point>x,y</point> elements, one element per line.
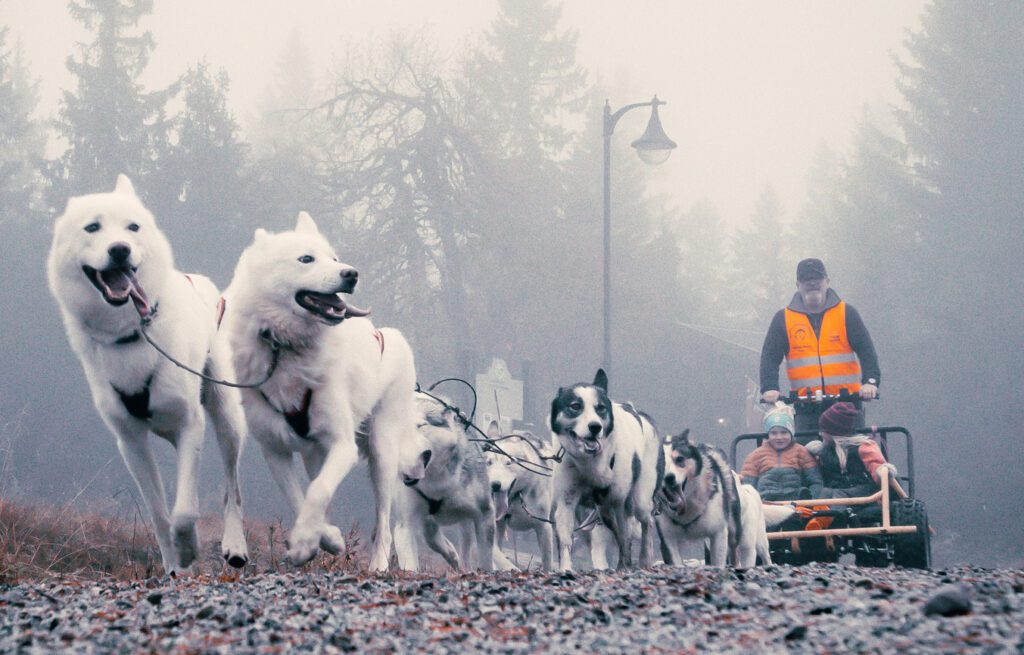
<point>868,391</point>
<point>772,395</point>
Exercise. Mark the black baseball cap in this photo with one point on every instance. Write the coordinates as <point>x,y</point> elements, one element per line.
<point>810,269</point>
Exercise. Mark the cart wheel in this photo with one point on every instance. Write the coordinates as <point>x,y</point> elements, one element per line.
<point>873,558</point>
<point>912,551</point>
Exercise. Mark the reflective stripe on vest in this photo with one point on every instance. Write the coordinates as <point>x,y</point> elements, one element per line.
<point>826,362</point>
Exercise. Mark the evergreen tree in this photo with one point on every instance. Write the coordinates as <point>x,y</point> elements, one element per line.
<point>702,241</point>
<point>111,124</point>
<point>203,189</point>
<point>761,278</point>
<point>524,82</point>
<point>22,139</point>
<point>286,141</point>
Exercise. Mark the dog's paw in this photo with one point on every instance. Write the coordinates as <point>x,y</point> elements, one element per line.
<point>303,544</point>
<point>186,543</point>
<point>235,558</point>
<point>331,539</point>
<point>234,550</point>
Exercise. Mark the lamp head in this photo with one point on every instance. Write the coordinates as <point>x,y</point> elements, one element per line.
<point>654,146</point>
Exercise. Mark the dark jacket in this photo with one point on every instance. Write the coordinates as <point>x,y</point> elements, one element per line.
<point>861,475</point>
<point>780,474</point>
<point>776,342</point>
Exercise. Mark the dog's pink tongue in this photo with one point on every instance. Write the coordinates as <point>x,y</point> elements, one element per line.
<point>118,282</point>
<point>500,505</point>
<point>140,300</point>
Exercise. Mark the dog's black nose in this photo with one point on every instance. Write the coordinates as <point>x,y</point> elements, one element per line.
<point>670,479</point>
<point>119,252</point>
<point>349,275</point>
<point>595,428</point>
<point>495,487</point>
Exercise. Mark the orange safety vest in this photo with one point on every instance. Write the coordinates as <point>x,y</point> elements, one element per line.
<point>826,362</point>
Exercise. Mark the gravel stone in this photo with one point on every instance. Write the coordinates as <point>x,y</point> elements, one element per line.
<point>814,608</point>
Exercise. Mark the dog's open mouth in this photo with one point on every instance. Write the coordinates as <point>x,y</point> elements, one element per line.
<point>409,481</point>
<point>588,445</point>
<point>329,307</point>
<point>119,285</point>
<point>674,498</point>
<point>500,504</point>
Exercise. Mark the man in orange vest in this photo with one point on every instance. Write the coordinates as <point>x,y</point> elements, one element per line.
<point>825,343</point>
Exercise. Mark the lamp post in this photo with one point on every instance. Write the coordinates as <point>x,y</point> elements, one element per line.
<point>654,147</point>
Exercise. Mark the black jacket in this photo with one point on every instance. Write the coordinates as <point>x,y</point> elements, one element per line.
<point>776,342</point>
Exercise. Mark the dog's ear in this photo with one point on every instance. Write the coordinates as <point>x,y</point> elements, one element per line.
<point>305,225</point>
<point>259,235</point>
<point>601,380</point>
<point>124,186</point>
<point>685,435</point>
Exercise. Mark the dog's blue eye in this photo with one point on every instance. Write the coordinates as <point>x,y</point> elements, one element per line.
<point>133,227</point>
<point>307,259</point>
<point>92,227</point>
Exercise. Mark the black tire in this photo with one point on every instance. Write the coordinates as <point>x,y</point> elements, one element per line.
<point>912,551</point>
<point>873,558</point>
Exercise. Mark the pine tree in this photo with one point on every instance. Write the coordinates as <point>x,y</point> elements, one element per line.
<point>111,124</point>
<point>203,190</point>
<point>761,280</point>
<point>22,139</point>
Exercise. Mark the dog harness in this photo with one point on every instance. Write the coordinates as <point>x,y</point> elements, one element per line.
<point>298,419</point>
<point>137,404</point>
<point>433,506</point>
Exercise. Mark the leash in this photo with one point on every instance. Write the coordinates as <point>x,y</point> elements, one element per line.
<point>491,443</point>
<point>265,335</point>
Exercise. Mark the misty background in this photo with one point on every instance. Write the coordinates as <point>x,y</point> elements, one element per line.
<point>456,162</point>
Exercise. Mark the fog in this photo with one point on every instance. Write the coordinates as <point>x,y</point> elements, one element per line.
<point>453,153</point>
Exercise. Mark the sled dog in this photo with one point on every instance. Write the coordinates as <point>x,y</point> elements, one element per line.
<point>702,498</point>
<point>447,485</point>
<point>522,498</point>
<point>613,461</point>
<point>332,373</point>
<point>108,266</point>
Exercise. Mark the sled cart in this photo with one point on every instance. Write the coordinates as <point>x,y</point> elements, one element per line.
<point>888,527</point>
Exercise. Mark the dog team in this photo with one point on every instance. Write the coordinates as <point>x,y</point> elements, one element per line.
<point>281,356</point>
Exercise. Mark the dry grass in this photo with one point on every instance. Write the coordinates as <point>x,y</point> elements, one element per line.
<point>38,542</point>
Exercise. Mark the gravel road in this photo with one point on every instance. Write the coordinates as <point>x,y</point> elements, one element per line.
<point>817,608</point>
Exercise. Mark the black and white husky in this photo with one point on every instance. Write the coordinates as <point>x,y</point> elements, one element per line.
<point>613,462</point>
<point>702,498</point>
<point>448,485</point>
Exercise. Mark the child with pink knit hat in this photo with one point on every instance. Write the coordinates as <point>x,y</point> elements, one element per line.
<point>851,464</point>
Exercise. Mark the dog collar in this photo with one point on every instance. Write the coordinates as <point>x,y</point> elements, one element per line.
<point>127,339</point>
<point>433,505</point>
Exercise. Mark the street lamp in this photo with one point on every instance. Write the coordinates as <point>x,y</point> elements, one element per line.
<point>653,148</point>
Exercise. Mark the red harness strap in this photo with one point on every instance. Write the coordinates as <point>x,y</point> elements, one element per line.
<point>221,306</point>
<point>379,336</point>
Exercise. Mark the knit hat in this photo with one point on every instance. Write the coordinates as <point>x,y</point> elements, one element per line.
<point>779,417</point>
<point>839,419</point>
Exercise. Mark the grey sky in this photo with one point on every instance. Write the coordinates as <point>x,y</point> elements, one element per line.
<point>753,87</point>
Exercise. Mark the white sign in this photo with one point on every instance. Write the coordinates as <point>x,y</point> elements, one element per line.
<point>499,397</point>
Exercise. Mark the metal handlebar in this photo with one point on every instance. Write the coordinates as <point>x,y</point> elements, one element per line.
<point>822,398</point>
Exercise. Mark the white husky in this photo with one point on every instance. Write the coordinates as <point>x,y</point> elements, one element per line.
<point>334,372</point>
<point>109,264</point>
